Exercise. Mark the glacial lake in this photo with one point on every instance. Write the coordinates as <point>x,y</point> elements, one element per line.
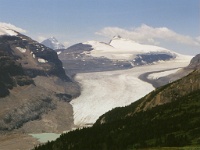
<point>45,137</point>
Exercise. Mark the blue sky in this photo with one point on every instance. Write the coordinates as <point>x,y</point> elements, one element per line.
<point>73,21</point>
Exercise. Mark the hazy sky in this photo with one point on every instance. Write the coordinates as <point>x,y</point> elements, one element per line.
<point>173,24</point>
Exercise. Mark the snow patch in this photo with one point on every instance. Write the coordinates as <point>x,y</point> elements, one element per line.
<point>59,52</point>
<point>22,50</point>
<point>42,60</point>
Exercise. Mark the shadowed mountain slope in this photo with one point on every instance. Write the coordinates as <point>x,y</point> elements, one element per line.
<point>34,88</point>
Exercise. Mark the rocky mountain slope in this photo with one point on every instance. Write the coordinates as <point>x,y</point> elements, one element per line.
<point>166,117</point>
<point>53,43</point>
<point>77,59</point>
<point>35,90</point>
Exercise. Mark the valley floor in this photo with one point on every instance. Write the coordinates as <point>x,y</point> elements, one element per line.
<point>102,91</point>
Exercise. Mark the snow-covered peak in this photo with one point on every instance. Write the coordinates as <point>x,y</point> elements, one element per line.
<point>99,46</point>
<point>53,39</point>
<point>53,43</point>
<point>120,48</point>
<point>126,44</point>
<point>9,29</point>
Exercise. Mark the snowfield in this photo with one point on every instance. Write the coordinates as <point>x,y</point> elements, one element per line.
<point>103,91</point>
<point>42,60</point>
<point>58,53</point>
<point>22,50</point>
<point>125,49</point>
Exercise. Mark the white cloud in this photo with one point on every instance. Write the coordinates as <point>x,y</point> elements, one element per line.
<point>149,35</point>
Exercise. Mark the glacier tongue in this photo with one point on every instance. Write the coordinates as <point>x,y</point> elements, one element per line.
<point>103,91</point>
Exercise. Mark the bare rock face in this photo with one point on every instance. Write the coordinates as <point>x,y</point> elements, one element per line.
<point>34,89</point>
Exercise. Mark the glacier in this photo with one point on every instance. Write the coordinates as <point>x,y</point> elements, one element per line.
<point>103,91</point>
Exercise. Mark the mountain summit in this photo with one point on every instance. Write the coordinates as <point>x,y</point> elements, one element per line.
<point>53,43</point>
